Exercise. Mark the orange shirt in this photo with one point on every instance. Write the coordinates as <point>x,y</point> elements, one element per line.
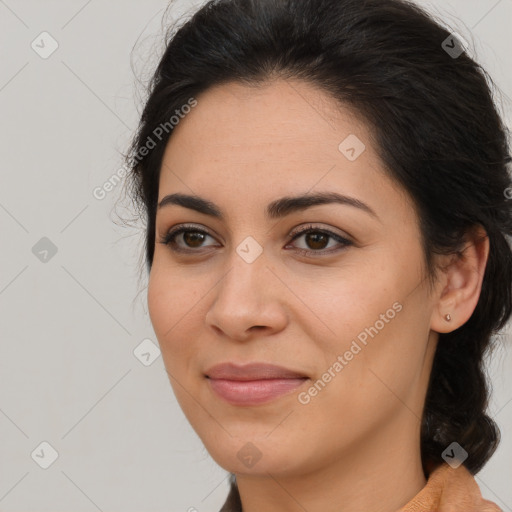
<point>447,490</point>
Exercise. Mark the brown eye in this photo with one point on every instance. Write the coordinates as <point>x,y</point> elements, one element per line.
<point>317,241</point>
<point>186,238</point>
<point>193,238</point>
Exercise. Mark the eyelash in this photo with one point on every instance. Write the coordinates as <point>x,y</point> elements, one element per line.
<point>170,239</point>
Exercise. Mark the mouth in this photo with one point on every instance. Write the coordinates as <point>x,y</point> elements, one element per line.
<point>254,383</point>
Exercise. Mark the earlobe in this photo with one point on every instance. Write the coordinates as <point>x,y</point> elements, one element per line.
<point>461,283</point>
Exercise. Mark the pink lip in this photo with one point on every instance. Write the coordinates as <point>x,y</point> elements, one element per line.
<point>252,384</point>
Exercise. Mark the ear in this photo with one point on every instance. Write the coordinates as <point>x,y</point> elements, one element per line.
<point>460,282</point>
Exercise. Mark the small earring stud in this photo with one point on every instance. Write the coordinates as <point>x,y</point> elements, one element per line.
<point>448,317</point>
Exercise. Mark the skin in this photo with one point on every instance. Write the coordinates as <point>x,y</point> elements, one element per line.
<point>355,446</point>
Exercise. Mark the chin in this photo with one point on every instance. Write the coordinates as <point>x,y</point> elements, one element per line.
<point>255,453</point>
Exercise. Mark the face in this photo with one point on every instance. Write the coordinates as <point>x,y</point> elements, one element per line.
<point>333,291</point>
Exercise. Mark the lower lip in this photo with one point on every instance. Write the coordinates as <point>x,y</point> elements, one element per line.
<point>253,392</point>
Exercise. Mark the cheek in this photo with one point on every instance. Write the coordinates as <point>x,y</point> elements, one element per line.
<point>378,359</point>
<point>173,308</point>
<point>373,315</point>
<point>173,305</point>
<point>340,304</point>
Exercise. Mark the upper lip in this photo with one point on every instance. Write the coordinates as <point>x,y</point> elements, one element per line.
<point>251,371</point>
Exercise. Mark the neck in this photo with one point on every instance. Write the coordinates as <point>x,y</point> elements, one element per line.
<point>380,476</point>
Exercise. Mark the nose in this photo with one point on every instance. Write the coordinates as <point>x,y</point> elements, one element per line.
<point>248,301</point>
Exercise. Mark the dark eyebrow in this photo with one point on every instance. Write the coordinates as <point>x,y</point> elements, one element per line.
<point>275,210</point>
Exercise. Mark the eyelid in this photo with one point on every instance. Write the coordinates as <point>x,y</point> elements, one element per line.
<point>343,241</point>
<point>309,226</point>
<point>295,231</point>
<point>181,228</point>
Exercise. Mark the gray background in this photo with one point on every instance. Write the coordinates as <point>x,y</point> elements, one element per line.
<point>70,324</point>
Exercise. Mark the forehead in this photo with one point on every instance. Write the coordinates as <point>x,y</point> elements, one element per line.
<point>281,114</point>
<point>278,139</point>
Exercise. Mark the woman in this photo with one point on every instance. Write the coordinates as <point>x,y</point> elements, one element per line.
<point>325,189</point>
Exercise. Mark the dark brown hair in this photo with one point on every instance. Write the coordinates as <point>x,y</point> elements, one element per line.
<point>436,129</point>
